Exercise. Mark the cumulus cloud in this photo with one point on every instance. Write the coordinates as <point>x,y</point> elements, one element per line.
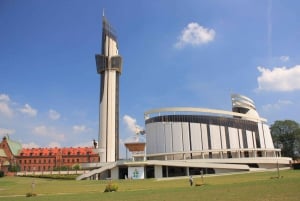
<point>79,128</point>
<point>30,145</point>
<point>195,34</point>
<point>54,144</point>
<point>40,130</point>
<point>48,132</point>
<point>276,106</point>
<point>131,124</point>
<point>279,79</point>
<point>4,106</point>
<point>4,131</point>
<point>5,109</point>
<point>284,58</point>
<point>28,110</point>
<point>54,115</point>
<point>85,144</point>
<point>4,98</point>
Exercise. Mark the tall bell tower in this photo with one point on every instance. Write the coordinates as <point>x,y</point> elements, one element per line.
<point>109,66</point>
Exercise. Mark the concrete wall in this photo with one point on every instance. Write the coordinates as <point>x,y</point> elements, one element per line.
<point>220,171</point>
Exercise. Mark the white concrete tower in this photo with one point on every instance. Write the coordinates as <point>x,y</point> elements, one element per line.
<point>109,66</point>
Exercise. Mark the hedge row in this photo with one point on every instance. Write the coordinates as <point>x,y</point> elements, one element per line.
<point>54,176</point>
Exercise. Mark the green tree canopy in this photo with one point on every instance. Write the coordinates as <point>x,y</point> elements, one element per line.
<point>286,135</point>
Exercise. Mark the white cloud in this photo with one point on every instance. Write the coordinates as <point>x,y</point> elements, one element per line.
<point>85,144</point>
<point>40,130</point>
<point>4,98</point>
<point>28,110</point>
<point>79,128</point>
<point>5,109</point>
<point>131,124</point>
<point>279,79</point>
<point>276,106</point>
<point>284,58</point>
<point>54,144</point>
<point>195,34</point>
<point>48,132</point>
<point>54,115</point>
<point>4,131</point>
<point>4,105</point>
<point>30,145</point>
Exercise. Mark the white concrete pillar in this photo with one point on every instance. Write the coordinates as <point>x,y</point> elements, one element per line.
<point>158,171</point>
<point>115,173</point>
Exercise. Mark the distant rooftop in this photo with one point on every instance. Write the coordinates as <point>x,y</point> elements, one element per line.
<point>56,150</point>
<point>2,153</point>
<point>14,146</point>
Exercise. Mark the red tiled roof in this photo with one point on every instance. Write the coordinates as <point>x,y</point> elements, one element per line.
<point>56,150</point>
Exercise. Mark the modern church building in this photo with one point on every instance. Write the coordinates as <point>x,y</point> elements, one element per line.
<point>197,133</point>
<point>180,141</point>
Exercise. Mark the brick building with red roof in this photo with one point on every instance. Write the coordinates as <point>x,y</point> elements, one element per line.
<point>48,159</point>
<point>8,150</point>
<point>43,159</point>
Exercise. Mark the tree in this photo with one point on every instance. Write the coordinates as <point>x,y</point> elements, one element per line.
<point>286,135</point>
<point>76,167</point>
<point>14,168</point>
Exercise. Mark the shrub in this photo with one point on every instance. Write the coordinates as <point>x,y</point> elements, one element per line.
<point>296,166</point>
<point>111,187</point>
<point>1,173</point>
<point>30,194</point>
<point>62,168</point>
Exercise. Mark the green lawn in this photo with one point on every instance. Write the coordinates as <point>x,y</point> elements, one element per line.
<point>242,187</point>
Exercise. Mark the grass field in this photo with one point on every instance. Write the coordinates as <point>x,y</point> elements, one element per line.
<point>242,187</point>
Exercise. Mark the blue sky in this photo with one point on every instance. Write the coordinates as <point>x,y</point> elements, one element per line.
<point>175,53</point>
